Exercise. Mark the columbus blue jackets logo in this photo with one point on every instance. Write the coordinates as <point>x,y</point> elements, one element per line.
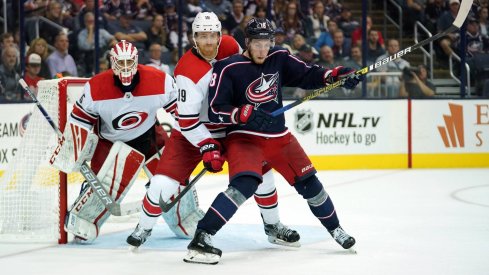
<point>129,120</point>
<point>263,89</point>
<point>303,121</point>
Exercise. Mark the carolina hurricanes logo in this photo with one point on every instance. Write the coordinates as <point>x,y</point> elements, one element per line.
<point>129,120</point>
<point>263,89</point>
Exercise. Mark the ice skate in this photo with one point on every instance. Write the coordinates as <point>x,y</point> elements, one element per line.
<point>342,238</point>
<point>282,235</point>
<point>201,251</point>
<point>139,236</point>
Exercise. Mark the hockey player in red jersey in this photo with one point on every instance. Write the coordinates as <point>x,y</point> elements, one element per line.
<point>113,125</point>
<point>194,139</point>
<point>245,90</point>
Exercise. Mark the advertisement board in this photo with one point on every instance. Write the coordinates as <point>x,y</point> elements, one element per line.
<point>450,133</point>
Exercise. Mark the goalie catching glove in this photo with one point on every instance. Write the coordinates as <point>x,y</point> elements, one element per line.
<point>210,149</point>
<point>253,117</point>
<point>351,79</point>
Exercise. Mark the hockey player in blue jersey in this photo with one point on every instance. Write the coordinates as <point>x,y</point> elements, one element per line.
<point>244,90</point>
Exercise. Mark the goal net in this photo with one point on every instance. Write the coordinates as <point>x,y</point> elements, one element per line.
<point>33,195</point>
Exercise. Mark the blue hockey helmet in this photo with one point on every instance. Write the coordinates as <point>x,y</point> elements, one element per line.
<point>259,28</point>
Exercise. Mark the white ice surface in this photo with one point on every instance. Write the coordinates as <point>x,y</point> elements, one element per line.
<point>405,222</point>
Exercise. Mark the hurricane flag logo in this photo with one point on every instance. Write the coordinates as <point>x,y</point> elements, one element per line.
<point>263,89</point>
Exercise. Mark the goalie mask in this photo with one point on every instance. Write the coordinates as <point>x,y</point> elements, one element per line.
<point>206,22</point>
<point>124,61</point>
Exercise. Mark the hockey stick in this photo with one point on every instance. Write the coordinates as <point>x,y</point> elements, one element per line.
<point>165,207</point>
<point>463,11</point>
<point>113,207</point>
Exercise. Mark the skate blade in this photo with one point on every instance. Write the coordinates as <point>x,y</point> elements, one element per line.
<point>276,241</point>
<point>353,250</point>
<point>196,257</point>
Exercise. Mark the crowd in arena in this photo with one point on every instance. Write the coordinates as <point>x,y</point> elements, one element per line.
<point>322,32</point>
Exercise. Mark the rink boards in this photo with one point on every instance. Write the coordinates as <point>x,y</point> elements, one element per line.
<point>355,134</point>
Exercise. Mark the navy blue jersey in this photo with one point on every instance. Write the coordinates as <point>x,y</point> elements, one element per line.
<point>237,81</point>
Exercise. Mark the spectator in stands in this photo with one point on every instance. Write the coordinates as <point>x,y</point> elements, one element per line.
<point>60,61</point>
<point>415,83</point>
<point>7,40</point>
<point>374,49</point>
<point>297,43</point>
<point>326,38</point>
<point>392,83</point>
<point>433,11</point>
<point>261,12</point>
<point>191,9</point>
<point>355,60</point>
<point>9,75</point>
<point>332,9</point>
<point>155,59</point>
<point>86,44</point>
<point>114,9</point>
<point>126,30</point>
<point>235,16</point>
<point>103,65</point>
<point>326,57</point>
<point>54,14</point>
<point>291,21</point>
<point>306,53</point>
<point>476,43</point>
<point>356,36</point>
<point>143,10</point>
<point>341,45</point>
<point>413,10</point>
<point>443,23</point>
<point>32,69</point>
<point>238,32</point>
<point>252,5</point>
<point>483,21</point>
<point>157,33</point>
<point>35,7</point>
<point>171,16</point>
<point>40,47</point>
<point>89,6</point>
<point>280,39</point>
<point>219,7</point>
<point>173,38</point>
<point>317,22</point>
<point>346,22</point>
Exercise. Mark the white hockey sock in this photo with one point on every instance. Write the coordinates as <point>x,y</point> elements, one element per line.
<point>267,200</point>
<point>160,186</point>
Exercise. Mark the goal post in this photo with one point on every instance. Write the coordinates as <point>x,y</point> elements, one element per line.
<point>33,194</point>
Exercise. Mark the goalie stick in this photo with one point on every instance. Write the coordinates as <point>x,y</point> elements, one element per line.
<point>165,207</point>
<point>112,206</point>
<point>463,11</point>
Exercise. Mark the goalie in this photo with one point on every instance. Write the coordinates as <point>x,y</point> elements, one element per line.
<point>114,125</point>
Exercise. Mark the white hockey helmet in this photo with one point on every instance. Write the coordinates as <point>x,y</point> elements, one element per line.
<point>124,61</point>
<point>206,22</point>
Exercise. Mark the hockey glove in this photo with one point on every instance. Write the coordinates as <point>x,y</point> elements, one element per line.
<point>255,118</point>
<point>210,149</point>
<point>351,79</point>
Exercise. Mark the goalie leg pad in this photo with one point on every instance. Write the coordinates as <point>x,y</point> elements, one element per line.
<point>182,219</point>
<point>117,174</point>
